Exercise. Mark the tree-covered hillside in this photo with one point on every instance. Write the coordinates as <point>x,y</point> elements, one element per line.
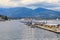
<point>4,17</point>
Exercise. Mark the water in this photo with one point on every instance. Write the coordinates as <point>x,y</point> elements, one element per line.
<point>15,30</point>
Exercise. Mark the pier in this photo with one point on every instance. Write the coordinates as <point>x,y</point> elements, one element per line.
<point>50,25</point>
<point>54,29</point>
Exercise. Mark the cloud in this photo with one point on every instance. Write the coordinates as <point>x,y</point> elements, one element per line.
<point>30,3</point>
<point>44,4</point>
<point>25,2</point>
<point>55,8</point>
<point>7,3</point>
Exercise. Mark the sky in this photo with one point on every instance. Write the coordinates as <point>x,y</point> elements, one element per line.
<point>49,4</point>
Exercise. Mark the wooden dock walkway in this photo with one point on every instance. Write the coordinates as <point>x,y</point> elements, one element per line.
<point>55,30</point>
<point>52,28</point>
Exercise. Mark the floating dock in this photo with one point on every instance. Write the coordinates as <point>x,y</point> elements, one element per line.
<point>50,25</point>
<point>52,28</point>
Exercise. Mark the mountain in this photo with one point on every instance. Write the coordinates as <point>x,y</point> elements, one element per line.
<point>46,13</point>
<point>18,12</point>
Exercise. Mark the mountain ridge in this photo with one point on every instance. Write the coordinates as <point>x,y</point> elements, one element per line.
<point>18,12</point>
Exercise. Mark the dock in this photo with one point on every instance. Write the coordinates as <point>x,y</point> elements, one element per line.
<point>50,25</point>
<point>51,28</point>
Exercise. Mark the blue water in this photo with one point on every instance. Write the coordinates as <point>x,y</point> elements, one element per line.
<point>15,30</point>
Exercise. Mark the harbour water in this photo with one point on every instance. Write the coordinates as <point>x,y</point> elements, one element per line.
<point>15,30</point>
